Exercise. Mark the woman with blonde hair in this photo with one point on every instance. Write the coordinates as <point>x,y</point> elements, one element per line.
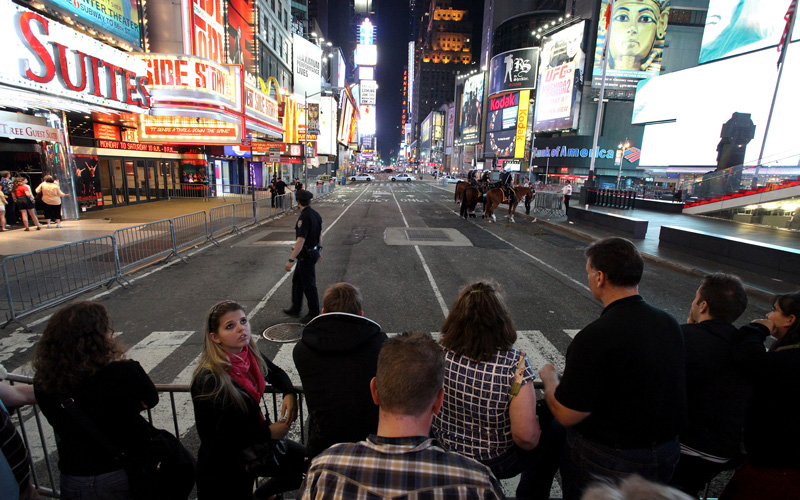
<point>227,388</point>
<point>51,197</point>
<point>23,198</point>
<point>489,408</point>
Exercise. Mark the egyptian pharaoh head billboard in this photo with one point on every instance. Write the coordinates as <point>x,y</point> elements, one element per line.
<point>636,32</point>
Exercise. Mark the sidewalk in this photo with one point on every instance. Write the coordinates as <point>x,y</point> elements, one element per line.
<point>100,223</point>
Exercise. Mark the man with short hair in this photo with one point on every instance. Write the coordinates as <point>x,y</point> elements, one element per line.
<point>623,391</point>
<point>401,460</point>
<point>306,251</point>
<point>717,391</point>
<point>343,342</point>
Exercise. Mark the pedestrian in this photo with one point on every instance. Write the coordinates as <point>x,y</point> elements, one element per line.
<point>717,388</point>
<point>93,398</point>
<point>529,196</point>
<point>771,469</point>
<point>401,460</point>
<point>51,197</point>
<point>567,190</point>
<point>3,204</point>
<point>639,349</point>
<point>25,202</point>
<point>6,184</point>
<point>306,251</point>
<point>280,187</point>
<point>272,192</point>
<point>227,389</point>
<point>342,341</point>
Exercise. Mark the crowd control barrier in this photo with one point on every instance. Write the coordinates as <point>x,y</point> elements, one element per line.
<point>37,280</point>
<point>173,413</point>
<point>612,198</point>
<point>44,278</point>
<point>139,245</point>
<point>549,203</point>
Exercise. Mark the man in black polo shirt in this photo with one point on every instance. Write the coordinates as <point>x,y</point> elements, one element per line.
<point>623,391</point>
<point>718,389</point>
<point>306,251</point>
<point>280,187</point>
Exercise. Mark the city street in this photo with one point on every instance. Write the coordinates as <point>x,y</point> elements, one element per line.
<point>403,244</point>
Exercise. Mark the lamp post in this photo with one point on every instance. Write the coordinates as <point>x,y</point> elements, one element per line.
<point>623,146</point>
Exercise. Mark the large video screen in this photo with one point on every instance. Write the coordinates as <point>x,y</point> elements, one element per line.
<point>117,17</point>
<point>471,110</point>
<point>739,26</point>
<point>560,80</point>
<point>683,120</point>
<point>240,34</point>
<point>637,33</point>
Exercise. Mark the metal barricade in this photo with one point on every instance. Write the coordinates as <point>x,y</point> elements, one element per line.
<point>189,190</point>
<point>244,214</point>
<point>177,417</point>
<point>143,244</point>
<point>549,202</point>
<point>612,198</point>
<point>40,279</point>
<point>190,230</point>
<point>221,220</point>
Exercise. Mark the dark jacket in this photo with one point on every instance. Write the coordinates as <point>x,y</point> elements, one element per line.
<point>336,358</point>
<point>224,432</point>
<point>770,439</point>
<point>717,390</point>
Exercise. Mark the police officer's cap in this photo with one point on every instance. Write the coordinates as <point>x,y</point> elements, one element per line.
<point>303,195</point>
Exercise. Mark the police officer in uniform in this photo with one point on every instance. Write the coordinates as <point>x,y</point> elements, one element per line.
<point>505,183</point>
<point>306,252</point>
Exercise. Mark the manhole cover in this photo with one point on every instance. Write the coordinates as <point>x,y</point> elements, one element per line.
<point>427,235</point>
<point>284,332</point>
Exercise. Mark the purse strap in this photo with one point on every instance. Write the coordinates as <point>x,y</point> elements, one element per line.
<point>82,419</point>
<point>516,386</point>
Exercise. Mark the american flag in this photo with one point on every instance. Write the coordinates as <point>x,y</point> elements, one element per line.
<point>633,154</point>
<point>789,17</point>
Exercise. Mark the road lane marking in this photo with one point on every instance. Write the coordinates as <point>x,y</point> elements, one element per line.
<point>436,291</point>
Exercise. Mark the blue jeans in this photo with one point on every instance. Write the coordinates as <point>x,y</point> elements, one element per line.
<point>585,461</point>
<point>109,486</point>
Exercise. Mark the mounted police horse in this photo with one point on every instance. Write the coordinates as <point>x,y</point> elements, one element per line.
<point>496,196</point>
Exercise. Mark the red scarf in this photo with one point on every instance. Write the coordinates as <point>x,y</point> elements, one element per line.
<point>245,373</point>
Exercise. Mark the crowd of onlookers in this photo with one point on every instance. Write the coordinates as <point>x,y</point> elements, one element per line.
<point>18,202</point>
<point>650,408</point>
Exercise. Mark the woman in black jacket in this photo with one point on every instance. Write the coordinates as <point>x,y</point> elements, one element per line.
<point>227,388</point>
<point>79,360</point>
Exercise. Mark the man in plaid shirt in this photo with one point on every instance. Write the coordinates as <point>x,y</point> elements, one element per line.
<point>401,459</point>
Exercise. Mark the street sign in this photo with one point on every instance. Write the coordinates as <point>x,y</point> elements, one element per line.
<point>274,155</point>
<point>247,142</point>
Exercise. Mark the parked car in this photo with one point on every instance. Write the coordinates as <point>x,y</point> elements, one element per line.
<point>403,177</point>
<point>451,180</point>
<point>362,177</point>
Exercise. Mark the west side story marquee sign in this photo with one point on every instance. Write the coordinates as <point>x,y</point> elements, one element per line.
<point>44,56</point>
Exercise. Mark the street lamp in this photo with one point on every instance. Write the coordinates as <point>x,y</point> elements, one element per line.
<point>323,92</point>
<point>623,147</point>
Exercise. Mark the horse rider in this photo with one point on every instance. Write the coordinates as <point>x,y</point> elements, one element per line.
<point>505,184</point>
<point>471,178</point>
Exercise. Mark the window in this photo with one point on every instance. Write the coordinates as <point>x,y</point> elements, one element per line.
<point>280,15</point>
<point>286,20</point>
<point>273,5</point>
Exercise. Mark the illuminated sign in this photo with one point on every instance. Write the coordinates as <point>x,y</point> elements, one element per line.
<point>366,33</point>
<point>366,125</point>
<point>366,55</point>
<point>266,146</point>
<point>118,18</point>
<point>560,80</point>
<point>240,34</point>
<point>366,73</point>
<point>513,70</point>
<point>638,29</point>
<point>307,59</point>
<point>369,92</point>
<point>17,130</point>
<point>507,124</point>
<point>471,109</point>
<point>259,107</point>
<point>106,131</point>
<point>47,57</point>
<point>183,130</point>
<point>134,146</point>
<point>208,30</point>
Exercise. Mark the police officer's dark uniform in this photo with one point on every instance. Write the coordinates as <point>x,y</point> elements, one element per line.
<point>306,251</point>
<point>505,183</point>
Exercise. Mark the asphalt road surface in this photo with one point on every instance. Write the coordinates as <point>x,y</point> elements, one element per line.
<point>402,244</point>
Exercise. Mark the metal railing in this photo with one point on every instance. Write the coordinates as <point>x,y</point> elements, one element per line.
<point>44,278</point>
<point>177,417</point>
<point>738,181</point>
<point>548,203</point>
<point>613,198</point>
<point>40,279</point>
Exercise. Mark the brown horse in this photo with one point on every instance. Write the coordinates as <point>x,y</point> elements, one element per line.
<point>494,197</point>
<point>469,200</point>
<point>460,187</point>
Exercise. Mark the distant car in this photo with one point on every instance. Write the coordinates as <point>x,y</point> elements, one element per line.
<point>362,177</point>
<point>371,171</point>
<point>451,180</point>
<point>403,177</point>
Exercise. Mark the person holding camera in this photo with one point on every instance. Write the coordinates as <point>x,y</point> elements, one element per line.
<point>306,252</point>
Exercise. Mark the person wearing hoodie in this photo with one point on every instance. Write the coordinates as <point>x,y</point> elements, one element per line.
<point>336,358</point>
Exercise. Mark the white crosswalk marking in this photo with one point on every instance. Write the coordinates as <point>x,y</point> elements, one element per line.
<point>16,343</point>
<point>539,350</point>
<point>571,333</point>
<point>155,348</point>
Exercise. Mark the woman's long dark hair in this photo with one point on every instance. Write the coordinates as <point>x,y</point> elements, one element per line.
<point>479,323</point>
<point>789,304</point>
<point>77,342</point>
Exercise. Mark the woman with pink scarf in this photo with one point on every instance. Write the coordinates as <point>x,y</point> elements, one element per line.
<point>227,388</point>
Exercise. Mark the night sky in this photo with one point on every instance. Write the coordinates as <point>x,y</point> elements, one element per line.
<point>392,28</point>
